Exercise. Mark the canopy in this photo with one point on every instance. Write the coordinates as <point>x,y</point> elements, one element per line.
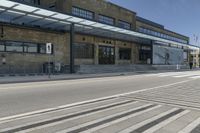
<point>23,14</point>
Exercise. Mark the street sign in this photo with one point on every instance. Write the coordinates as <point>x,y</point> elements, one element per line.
<point>48,48</point>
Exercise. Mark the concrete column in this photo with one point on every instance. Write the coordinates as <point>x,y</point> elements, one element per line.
<point>133,54</point>
<point>136,53</point>
<point>96,54</point>
<point>72,69</point>
<point>116,55</point>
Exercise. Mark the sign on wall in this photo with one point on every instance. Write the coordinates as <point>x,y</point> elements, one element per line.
<point>48,48</point>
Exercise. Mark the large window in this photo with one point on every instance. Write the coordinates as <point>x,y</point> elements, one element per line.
<point>124,53</point>
<point>32,1</point>
<point>42,48</point>
<point>2,46</point>
<point>124,25</point>
<point>82,13</point>
<point>106,20</point>
<point>22,47</point>
<point>145,53</point>
<point>30,48</point>
<point>84,51</point>
<point>161,35</point>
<point>14,46</point>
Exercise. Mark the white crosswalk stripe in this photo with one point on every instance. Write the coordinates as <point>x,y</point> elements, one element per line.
<point>164,123</point>
<point>102,116</point>
<point>134,127</point>
<point>190,74</point>
<point>191,126</point>
<point>195,77</point>
<point>122,119</point>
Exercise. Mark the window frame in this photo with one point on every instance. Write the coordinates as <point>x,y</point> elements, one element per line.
<point>23,47</point>
<point>107,17</point>
<point>77,11</point>
<point>125,50</point>
<point>126,25</point>
<point>84,51</point>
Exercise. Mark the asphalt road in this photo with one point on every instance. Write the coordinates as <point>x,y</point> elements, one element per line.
<point>140,94</point>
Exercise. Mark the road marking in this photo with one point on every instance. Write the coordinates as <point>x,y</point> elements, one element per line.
<point>121,119</point>
<point>113,100</point>
<point>24,115</point>
<point>186,75</point>
<point>72,129</point>
<point>195,77</point>
<point>164,123</point>
<point>63,82</point>
<point>170,74</point>
<point>134,127</point>
<point>156,74</point>
<point>63,121</point>
<point>191,126</point>
<point>87,101</point>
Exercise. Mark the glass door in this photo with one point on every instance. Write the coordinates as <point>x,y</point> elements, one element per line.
<point>106,55</point>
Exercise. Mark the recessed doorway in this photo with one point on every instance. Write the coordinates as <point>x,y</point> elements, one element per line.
<point>106,55</point>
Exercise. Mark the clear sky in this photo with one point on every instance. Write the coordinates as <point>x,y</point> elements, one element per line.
<point>181,16</point>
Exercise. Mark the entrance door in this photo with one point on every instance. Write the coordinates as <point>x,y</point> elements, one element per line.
<point>106,55</point>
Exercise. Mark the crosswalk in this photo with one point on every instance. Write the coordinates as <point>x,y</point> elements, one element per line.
<point>117,114</point>
<point>188,74</point>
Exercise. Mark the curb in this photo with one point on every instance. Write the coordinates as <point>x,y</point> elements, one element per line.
<point>87,76</point>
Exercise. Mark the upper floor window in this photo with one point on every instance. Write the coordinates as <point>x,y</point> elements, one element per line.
<point>82,13</point>
<point>158,34</point>
<point>32,1</point>
<point>124,25</point>
<point>106,20</point>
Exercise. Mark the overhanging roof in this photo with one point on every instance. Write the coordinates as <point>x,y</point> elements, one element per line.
<point>19,13</point>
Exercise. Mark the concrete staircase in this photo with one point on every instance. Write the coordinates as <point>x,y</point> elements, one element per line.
<point>90,69</point>
<point>113,68</point>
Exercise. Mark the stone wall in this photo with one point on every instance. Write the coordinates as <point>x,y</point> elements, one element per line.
<point>31,61</point>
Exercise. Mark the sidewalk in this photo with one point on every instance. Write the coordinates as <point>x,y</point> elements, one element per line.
<point>37,78</point>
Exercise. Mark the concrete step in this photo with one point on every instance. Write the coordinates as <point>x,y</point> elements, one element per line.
<point>126,68</point>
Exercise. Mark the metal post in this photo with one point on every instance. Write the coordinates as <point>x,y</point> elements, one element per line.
<point>49,67</point>
<point>152,43</point>
<point>72,48</point>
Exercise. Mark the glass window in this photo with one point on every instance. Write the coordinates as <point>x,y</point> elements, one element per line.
<point>106,20</point>
<point>158,34</point>
<point>124,54</point>
<point>141,29</point>
<point>42,48</point>
<point>145,48</point>
<point>30,48</point>
<point>23,47</point>
<point>2,46</point>
<point>124,25</point>
<point>84,51</point>
<point>31,1</point>
<point>82,13</point>
<point>14,46</point>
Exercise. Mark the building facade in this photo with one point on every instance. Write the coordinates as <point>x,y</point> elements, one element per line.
<point>23,45</point>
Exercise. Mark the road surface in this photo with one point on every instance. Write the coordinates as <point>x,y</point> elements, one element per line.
<point>149,103</point>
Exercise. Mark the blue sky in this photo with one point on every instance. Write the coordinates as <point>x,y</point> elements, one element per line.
<point>181,16</point>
